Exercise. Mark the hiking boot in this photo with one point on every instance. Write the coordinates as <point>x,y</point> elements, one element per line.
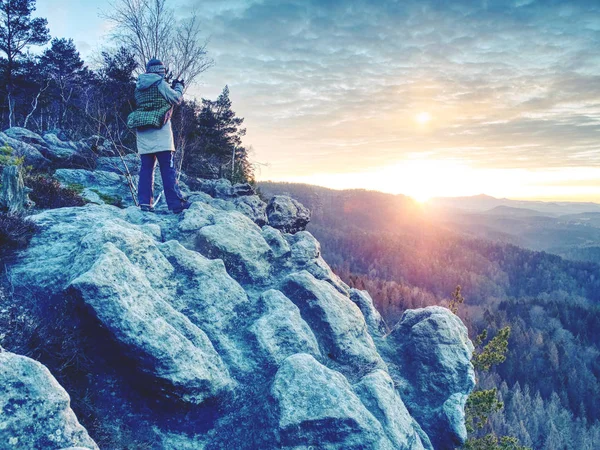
<point>146,208</point>
<point>181,208</point>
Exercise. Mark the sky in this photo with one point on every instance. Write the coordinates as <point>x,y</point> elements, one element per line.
<point>423,98</point>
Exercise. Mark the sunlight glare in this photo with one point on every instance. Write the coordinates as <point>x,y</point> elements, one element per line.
<point>423,118</point>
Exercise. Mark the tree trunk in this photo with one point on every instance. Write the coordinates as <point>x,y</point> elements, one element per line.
<point>13,195</point>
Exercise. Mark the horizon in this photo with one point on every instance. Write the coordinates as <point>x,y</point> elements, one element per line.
<point>420,98</point>
<point>426,201</point>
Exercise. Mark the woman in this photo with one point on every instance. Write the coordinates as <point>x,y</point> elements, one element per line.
<point>155,100</point>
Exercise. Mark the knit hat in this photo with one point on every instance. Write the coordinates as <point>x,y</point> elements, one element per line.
<point>155,66</point>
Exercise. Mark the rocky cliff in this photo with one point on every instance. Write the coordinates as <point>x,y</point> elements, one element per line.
<point>220,328</point>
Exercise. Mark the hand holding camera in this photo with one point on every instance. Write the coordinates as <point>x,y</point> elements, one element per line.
<point>176,82</point>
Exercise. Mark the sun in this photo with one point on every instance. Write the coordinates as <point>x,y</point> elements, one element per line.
<point>423,117</point>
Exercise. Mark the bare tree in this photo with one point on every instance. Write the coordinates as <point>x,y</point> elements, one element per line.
<point>34,103</point>
<point>148,28</point>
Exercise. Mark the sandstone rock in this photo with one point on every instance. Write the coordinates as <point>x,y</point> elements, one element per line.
<point>137,243</point>
<point>31,154</point>
<point>195,196</point>
<point>197,216</point>
<point>47,261</point>
<point>13,193</point>
<point>287,214</point>
<point>116,164</point>
<point>25,135</point>
<point>318,407</point>
<point>242,189</point>
<point>306,255</point>
<point>53,140</point>
<point>108,184</point>
<point>305,248</point>
<point>376,390</point>
<point>253,207</point>
<point>98,145</point>
<point>219,188</point>
<point>338,323</point>
<point>35,410</point>
<point>211,299</point>
<point>66,154</point>
<point>238,242</point>
<point>276,241</point>
<point>216,317</point>
<point>433,352</point>
<point>374,321</point>
<point>282,332</point>
<point>163,342</point>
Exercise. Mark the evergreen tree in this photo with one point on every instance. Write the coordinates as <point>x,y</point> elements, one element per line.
<point>18,31</point>
<point>118,66</point>
<point>220,133</point>
<point>62,65</point>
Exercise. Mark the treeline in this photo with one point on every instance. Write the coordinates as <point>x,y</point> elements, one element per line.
<point>54,90</point>
<point>552,305</point>
<point>541,423</point>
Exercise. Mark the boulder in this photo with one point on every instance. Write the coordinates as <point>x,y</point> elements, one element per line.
<point>52,140</point>
<point>31,154</point>
<point>282,332</point>
<point>238,336</point>
<point>375,322</point>
<point>13,193</point>
<point>276,241</point>
<point>66,154</point>
<point>287,214</point>
<point>236,240</point>
<point>252,207</point>
<point>212,300</point>
<point>98,146</point>
<point>108,186</point>
<point>338,323</point>
<point>433,353</point>
<point>317,407</point>
<point>47,263</point>
<point>165,345</point>
<point>306,255</point>
<point>199,215</point>
<point>377,392</point>
<point>242,190</point>
<point>35,410</point>
<point>25,135</point>
<point>121,165</point>
<point>305,248</point>
<point>219,188</point>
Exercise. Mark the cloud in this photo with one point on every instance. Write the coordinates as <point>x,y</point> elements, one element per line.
<point>336,84</point>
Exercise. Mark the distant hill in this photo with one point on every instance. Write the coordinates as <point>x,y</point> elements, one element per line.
<point>481,203</point>
<point>562,228</point>
<point>511,211</point>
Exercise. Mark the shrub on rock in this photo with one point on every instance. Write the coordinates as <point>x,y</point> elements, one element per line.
<point>15,231</point>
<point>47,193</point>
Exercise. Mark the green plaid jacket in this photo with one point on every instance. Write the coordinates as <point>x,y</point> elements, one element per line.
<point>152,109</point>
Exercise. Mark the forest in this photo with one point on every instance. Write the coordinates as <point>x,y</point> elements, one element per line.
<point>550,381</point>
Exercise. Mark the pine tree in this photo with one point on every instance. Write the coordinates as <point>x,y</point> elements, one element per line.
<point>18,31</point>
<point>118,66</point>
<point>220,132</point>
<point>62,64</point>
